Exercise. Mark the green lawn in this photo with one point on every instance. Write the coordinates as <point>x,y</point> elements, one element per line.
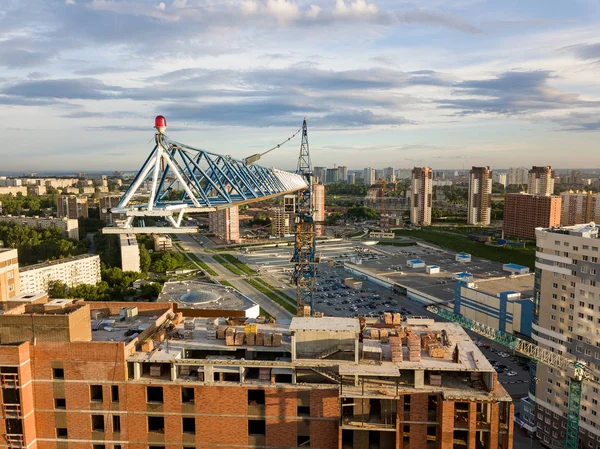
<point>227,265</point>
<point>238,264</point>
<point>203,264</point>
<point>276,290</point>
<point>272,295</point>
<point>521,256</point>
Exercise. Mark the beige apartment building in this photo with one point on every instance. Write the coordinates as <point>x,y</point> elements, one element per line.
<point>579,207</point>
<point>71,206</point>
<point>566,320</point>
<point>68,226</point>
<point>225,224</point>
<point>540,181</point>
<point>421,196</point>
<point>73,271</point>
<point>479,211</point>
<point>9,274</point>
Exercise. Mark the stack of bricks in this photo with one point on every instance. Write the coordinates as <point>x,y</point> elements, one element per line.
<point>260,338</point>
<point>304,311</point>
<point>384,335</point>
<point>403,333</point>
<point>435,380</point>
<point>250,338</point>
<point>277,339</point>
<point>374,333</point>
<point>239,338</point>
<point>155,370</point>
<point>221,332</point>
<point>414,347</point>
<point>387,318</point>
<point>264,373</point>
<point>433,346</point>
<point>268,340</point>
<point>396,348</point>
<point>230,336</point>
<point>396,319</point>
<point>189,325</point>
<point>318,315</point>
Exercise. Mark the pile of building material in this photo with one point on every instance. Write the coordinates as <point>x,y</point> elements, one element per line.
<point>184,370</point>
<point>396,319</point>
<point>239,339</point>
<point>249,336</point>
<point>396,348</point>
<point>435,379</point>
<point>374,334</point>
<point>230,336</point>
<point>384,335</point>
<point>211,329</point>
<point>387,318</point>
<point>433,346</point>
<point>277,339</point>
<point>155,370</point>
<point>304,311</point>
<point>318,315</point>
<point>268,340</point>
<point>264,374</point>
<point>414,347</point>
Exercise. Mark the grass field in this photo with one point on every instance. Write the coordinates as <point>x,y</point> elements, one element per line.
<point>273,295</point>
<point>227,265</point>
<point>521,256</point>
<point>203,265</point>
<point>238,263</point>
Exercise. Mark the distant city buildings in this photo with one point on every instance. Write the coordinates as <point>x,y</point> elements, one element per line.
<point>579,207</point>
<point>342,173</point>
<point>388,174</point>
<point>73,271</point>
<point>500,178</point>
<point>225,224</point>
<point>331,176</point>
<point>351,178</point>
<point>71,206</point>
<point>540,181</point>
<point>369,176</point>
<point>524,212</point>
<point>421,196</point>
<point>68,226</point>
<point>479,208</point>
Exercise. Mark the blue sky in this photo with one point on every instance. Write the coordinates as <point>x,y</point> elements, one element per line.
<point>401,83</point>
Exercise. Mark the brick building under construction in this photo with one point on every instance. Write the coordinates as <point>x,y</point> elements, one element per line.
<point>142,376</point>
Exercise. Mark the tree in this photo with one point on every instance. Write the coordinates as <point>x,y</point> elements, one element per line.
<point>151,290</point>
<point>167,261</point>
<point>362,212</point>
<point>57,289</point>
<point>145,259</point>
<point>333,218</point>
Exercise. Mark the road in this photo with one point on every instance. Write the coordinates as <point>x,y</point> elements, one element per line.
<point>196,244</point>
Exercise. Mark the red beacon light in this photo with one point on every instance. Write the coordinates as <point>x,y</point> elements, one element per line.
<point>160,123</point>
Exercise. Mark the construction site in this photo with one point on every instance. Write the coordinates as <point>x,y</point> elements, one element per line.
<point>140,375</point>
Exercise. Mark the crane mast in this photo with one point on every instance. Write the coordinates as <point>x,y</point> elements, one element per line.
<point>305,238</point>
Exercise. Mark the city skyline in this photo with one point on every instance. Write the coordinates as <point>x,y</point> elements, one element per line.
<point>431,83</point>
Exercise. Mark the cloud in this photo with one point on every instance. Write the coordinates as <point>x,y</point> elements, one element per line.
<point>313,11</point>
<point>249,7</point>
<point>513,92</point>
<point>586,51</point>
<point>66,89</point>
<point>357,8</point>
<point>579,121</point>
<point>282,10</point>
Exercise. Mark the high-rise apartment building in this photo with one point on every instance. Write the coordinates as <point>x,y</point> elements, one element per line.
<point>500,178</point>
<point>342,173</point>
<point>225,224</point>
<point>421,196</point>
<point>331,176</point>
<point>73,271</point>
<point>369,176</point>
<point>107,202</point>
<point>131,383</point>
<point>579,207</point>
<point>479,210</point>
<point>524,212</point>
<point>566,320</point>
<point>320,175</point>
<point>351,178</point>
<point>540,181</point>
<point>518,176</point>
<point>389,175</point>
<point>71,206</point>
<point>9,274</point>
<point>319,208</point>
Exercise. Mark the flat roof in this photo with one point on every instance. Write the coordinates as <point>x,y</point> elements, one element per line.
<point>204,295</point>
<point>520,284</point>
<point>325,324</point>
<point>514,266</point>
<point>50,263</point>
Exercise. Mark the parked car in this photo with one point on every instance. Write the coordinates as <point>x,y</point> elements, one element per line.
<point>511,373</point>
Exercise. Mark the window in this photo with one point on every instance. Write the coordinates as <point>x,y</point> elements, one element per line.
<point>114,393</point>
<point>303,410</point>
<point>256,397</point>
<point>555,285</point>
<point>116,422</point>
<point>154,394</point>
<point>189,425</point>
<point>187,395</point>
<point>256,427</point>
<point>60,403</point>
<point>98,446</point>
<point>58,373</point>
<point>584,269</point>
<point>96,393</point>
<point>593,271</point>
<point>61,432</point>
<point>156,424</point>
<point>98,423</point>
<point>11,288</point>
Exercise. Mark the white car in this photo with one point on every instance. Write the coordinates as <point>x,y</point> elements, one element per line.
<point>511,373</point>
<point>504,354</point>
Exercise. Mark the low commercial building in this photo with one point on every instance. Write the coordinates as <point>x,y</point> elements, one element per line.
<point>432,269</point>
<point>130,252</point>
<point>463,257</point>
<point>9,274</point>
<point>140,375</point>
<point>415,263</point>
<point>505,304</point>
<point>73,271</point>
<point>513,268</point>
<point>68,226</point>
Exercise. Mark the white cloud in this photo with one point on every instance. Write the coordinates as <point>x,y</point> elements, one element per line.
<point>179,3</point>
<point>356,8</point>
<point>283,10</point>
<point>70,2</point>
<point>249,7</point>
<point>314,11</point>
<point>161,6</point>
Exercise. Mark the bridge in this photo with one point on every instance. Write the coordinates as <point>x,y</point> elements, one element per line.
<point>208,182</point>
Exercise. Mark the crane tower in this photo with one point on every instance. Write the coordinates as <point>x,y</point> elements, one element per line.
<point>304,243</point>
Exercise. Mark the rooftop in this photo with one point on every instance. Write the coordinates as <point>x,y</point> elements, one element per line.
<point>204,295</point>
<point>587,230</point>
<point>50,263</point>
<point>521,284</point>
<point>329,324</point>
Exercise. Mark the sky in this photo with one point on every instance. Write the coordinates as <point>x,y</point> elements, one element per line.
<point>443,83</point>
